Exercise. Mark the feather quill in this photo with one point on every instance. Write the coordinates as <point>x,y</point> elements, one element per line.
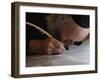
<point>40,29</point>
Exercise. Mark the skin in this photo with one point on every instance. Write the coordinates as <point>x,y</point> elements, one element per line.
<point>48,46</point>
<point>64,28</point>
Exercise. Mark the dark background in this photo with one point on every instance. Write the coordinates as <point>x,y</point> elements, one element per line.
<point>39,20</point>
